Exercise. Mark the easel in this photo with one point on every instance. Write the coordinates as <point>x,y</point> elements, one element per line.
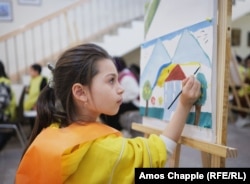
<point>213,155</point>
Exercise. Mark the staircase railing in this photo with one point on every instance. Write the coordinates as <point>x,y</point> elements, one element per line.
<point>83,21</point>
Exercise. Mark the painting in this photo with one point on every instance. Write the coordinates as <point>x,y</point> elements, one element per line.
<point>5,11</point>
<point>179,42</point>
<point>235,37</point>
<point>30,2</point>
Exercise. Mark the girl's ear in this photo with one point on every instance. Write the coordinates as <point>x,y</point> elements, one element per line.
<point>79,92</point>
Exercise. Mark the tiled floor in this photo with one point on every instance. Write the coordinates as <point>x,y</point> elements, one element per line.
<point>237,138</point>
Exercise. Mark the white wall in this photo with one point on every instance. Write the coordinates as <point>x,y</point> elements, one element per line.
<point>24,14</point>
<point>43,42</point>
<point>241,8</point>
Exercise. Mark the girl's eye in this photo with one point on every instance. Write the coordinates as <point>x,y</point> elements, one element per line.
<point>112,80</point>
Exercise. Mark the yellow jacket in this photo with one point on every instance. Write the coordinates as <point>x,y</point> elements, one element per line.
<point>11,109</point>
<point>91,153</point>
<point>33,94</point>
<point>245,74</point>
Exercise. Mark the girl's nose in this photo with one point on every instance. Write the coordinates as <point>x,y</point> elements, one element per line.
<point>120,89</point>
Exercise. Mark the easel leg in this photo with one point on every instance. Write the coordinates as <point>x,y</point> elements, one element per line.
<point>217,162</point>
<point>206,159</point>
<point>175,159</point>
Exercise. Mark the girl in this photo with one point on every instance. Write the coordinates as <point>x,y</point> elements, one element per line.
<point>68,145</point>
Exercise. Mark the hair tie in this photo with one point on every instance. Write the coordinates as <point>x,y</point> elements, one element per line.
<point>51,82</point>
<point>51,67</point>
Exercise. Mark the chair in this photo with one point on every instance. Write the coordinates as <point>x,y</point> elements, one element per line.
<point>22,115</point>
<point>19,108</point>
<point>15,126</point>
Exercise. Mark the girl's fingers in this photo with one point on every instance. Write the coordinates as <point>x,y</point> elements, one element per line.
<point>188,82</point>
<point>184,81</point>
<point>190,90</point>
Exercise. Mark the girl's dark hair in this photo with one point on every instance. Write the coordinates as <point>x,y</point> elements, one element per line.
<point>2,70</point>
<point>55,104</point>
<point>120,63</point>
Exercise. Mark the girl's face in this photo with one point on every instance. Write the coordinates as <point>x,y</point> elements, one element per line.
<point>105,95</point>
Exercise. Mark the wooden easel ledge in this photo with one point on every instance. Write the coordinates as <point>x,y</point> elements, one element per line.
<point>207,147</point>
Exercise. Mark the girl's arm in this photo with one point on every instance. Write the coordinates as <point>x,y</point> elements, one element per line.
<point>190,93</point>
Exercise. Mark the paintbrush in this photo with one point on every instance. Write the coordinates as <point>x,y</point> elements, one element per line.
<point>181,90</point>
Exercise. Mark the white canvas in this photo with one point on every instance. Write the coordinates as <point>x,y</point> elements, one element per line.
<point>179,41</point>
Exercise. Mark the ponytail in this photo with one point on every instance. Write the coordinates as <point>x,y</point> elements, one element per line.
<point>49,111</point>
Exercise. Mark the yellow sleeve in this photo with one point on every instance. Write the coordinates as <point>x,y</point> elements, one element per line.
<point>124,155</point>
<point>140,152</point>
<point>114,159</point>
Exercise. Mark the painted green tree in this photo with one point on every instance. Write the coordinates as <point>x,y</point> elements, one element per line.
<point>201,101</point>
<point>146,94</point>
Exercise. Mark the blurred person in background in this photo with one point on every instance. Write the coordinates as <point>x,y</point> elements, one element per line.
<point>37,83</point>
<point>9,111</point>
<point>243,118</point>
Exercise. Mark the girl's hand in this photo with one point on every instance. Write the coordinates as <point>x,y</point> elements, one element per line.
<point>190,91</point>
